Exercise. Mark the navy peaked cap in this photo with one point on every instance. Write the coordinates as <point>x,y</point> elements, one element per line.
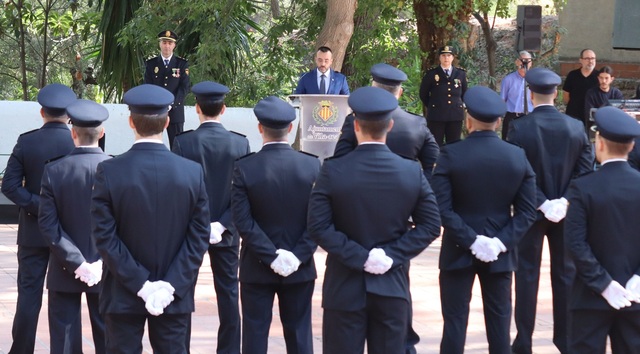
<point>148,99</point>
<point>54,99</point>
<point>372,103</point>
<point>86,113</point>
<point>542,80</point>
<point>614,124</point>
<point>168,35</point>
<point>209,91</point>
<point>273,112</point>
<point>484,104</point>
<point>387,74</point>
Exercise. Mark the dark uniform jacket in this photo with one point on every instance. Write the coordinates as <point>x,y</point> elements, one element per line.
<point>174,77</point>
<point>150,221</point>
<point>22,178</point>
<point>442,95</point>
<point>476,181</point>
<point>361,201</point>
<point>601,229</point>
<point>409,138</point>
<point>270,197</point>
<point>65,217</point>
<point>216,149</point>
<point>557,148</point>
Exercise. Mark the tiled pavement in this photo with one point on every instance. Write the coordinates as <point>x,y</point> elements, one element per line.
<point>424,285</point>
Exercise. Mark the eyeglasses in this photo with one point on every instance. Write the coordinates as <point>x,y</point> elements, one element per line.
<point>588,59</point>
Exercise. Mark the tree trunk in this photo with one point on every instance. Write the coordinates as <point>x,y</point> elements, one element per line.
<point>275,8</point>
<point>337,29</point>
<point>45,49</point>
<point>491,46</point>
<point>23,51</point>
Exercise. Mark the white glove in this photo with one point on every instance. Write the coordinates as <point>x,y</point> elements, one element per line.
<point>485,249</point>
<point>617,296</point>
<point>158,301</point>
<point>378,262</point>
<point>633,288</point>
<point>286,263</point>
<point>216,232</point>
<point>498,244</point>
<point>555,210</point>
<point>150,287</point>
<point>89,273</point>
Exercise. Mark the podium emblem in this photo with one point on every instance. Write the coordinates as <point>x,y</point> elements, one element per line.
<point>325,113</point>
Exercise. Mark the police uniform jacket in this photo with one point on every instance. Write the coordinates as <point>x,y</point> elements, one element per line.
<point>472,202</point>
<point>442,95</point>
<point>601,229</point>
<point>363,200</point>
<point>65,217</point>
<point>270,193</point>
<point>557,148</point>
<point>409,138</point>
<point>150,221</point>
<point>216,149</point>
<point>308,84</point>
<point>22,178</point>
<point>173,77</point>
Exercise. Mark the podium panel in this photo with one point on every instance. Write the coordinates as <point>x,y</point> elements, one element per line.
<point>321,118</point>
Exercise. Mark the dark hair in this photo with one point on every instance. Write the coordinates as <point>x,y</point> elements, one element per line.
<point>87,135</point>
<point>584,50</point>
<point>606,69</point>
<point>376,129</point>
<point>210,108</point>
<point>149,124</point>
<point>275,134</point>
<point>324,49</point>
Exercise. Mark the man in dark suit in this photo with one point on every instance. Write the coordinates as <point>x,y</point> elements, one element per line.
<point>558,150</point>
<point>65,222</point>
<point>322,80</point>
<point>441,93</point>
<point>409,137</point>
<point>21,184</point>
<point>602,235</point>
<point>270,195</point>
<point>216,149</point>
<point>172,73</point>
<point>358,213</point>
<point>151,227</point>
<point>480,233</point>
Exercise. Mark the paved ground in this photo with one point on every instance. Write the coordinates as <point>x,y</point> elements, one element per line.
<point>424,285</point>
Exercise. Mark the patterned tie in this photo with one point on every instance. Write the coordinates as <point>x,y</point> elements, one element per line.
<point>446,71</point>
<point>322,84</point>
<point>166,62</point>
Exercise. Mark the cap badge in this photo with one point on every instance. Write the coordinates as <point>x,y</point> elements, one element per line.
<point>168,34</point>
<point>437,77</point>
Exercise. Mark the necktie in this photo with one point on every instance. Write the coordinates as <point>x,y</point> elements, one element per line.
<point>446,71</point>
<point>322,84</point>
<point>166,62</point>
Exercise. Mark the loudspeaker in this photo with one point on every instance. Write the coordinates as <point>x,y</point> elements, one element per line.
<point>529,27</point>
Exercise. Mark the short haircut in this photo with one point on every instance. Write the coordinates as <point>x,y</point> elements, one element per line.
<point>324,49</point>
<point>275,133</point>
<point>584,50</point>
<point>607,70</point>
<point>523,53</point>
<point>615,148</point>
<point>376,129</point>
<point>87,135</point>
<point>210,108</point>
<point>149,124</point>
<point>394,89</point>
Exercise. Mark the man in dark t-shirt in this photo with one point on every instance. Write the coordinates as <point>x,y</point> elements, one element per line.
<point>577,83</point>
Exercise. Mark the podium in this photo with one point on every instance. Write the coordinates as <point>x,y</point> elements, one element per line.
<point>321,118</point>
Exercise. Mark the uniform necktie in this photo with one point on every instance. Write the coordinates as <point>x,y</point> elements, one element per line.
<point>166,62</point>
<point>446,71</point>
<point>322,84</point>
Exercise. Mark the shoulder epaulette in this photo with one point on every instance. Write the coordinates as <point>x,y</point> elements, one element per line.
<point>181,58</point>
<point>184,132</point>
<point>234,132</point>
<point>432,68</point>
<point>54,159</point>
<point>150,59</point>
<point>29,132</point>
<point>461,68</point>
<point>308,153</point>
<point>242,157</point>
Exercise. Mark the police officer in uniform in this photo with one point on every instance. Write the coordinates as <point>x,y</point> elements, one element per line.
<point>558,150</point>
<point>409,137</point>
<point>65,221</point>
<point>602,235</point>
<point>358,213</point>
<point>480,233</point>
<point>21,184</point>
<point>216,149</point>
<point>270,196</point>
<point>441,93</point>
<point>171,72</point>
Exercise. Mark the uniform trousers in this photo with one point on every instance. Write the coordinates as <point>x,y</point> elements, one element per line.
<point>32,268</point>
<point>382,324</point>
<point>508,117</point>
<point>174,129</point>
<point>294,302</point>
<point>591,327</point>
<point>445,131</point>
<point>167,333</point>
<point>65,325</point>
<point>224,265</point>
<point>528,280</point>
<point>455,295</point>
